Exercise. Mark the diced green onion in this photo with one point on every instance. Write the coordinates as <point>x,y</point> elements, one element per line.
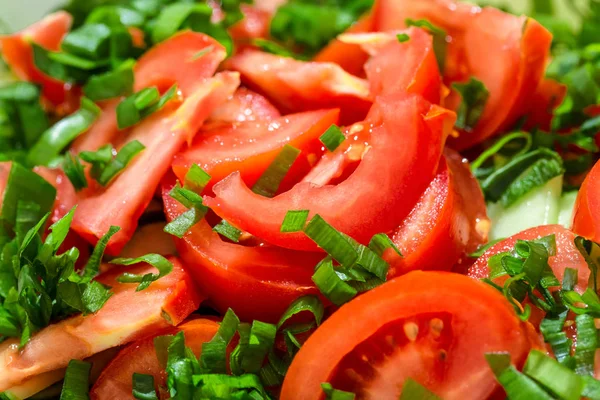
<point>413,390</point>
<point>585,248</point>
<point>213,358</point>
<point>173,16</point>
<point>331,240</point>
<point>118,164</point>
<point>381,242</point>
<point>227,230</point>
<point>74,171</point>
<point>261,341</point>
<point>110,84</point>
<point>332,138</point>
<point>142,104</point>
<point>560,380</point>
<point>77,381</point>
<point>516,385</point>
<point>535,176</point>
<point>586,344</point>
<point>247,386</point>
<point>402,37</point>
<point>88,41</point>
<point>331,285</point>
<point>268,183</point>
<point>294,221</point>
<point>474,98</point>
<point>143,387</point>
<point>552,330</point>
<point>196,179</point>
<point>335,394</point>
<point>180,367</point>
<point>308,303</point>
<point>163,266</point>
<point>184,222</point>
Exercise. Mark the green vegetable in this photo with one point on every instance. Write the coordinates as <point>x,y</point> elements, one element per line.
<point>516,385</point>
<point>474,98</point>
<point>74,171</point>
<point>163,266</point>
<point>558,379</point>
<point>294,221</point>
<point>143,387</point>
<point>121,160</point>
<point>227,230</point>
<point>108,85</point>
<point>335,394</point>
<point>141,105</point>
<point>213,358</point>
<point>331,284</point>
<point>332,138</point>
<point>440,45</point>
<point>413,390</point>
<point>77,381</point>
<point>268,183</point>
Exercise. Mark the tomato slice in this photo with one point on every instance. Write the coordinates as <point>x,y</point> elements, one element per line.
<point>586,217</point>
<point>450,217</point>
<point>244,106</point>
<point>17,52</point>
<point>295,86</point>
<point>350,57</point>
<point>433,327</point>
<point>249,147</point>
<point>375,198</point>
<point>186,59</point>
<point>567,255</point>
<point>163,134</point>
<point>140,356</point>
<point>126,316</point>
<point>257,282</point>
<point>103,131</point>
<point>507,53</point>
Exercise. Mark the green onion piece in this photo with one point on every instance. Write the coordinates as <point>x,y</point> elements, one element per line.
<point>335,394</point>
<point>331,285</point>
<point>145,98</point>
<point>440,45</point>
<point>261,341</point>
<point>514,144</point>
<point>173,16</point>
<point>474,98</point>
<point>214,386</point>
<point>558,379</point>
<point>235,359</point>
<point>143,387</point>
<point>381,242</point>
<point>294,221</point>
<point>402,37</point>
<point>54,140</point>
<point>585,247</point>
<point>88,41</point>
<point>99,159</point>
<point>586,345</point>
<point>516,385</point>
<point>227,230</point>
<point>163,266</point>
<point>74,171</point>
<point>268,183</point>
<point>591,388</point>
<point>110,84</point>
<point>272,47</point>
<point>413,390</point>
<point>536,176</point>
<point>8,396</point>
<point>77,381</point>
<point>20,91</point>
<point>142,104</point>
<point>118,164</point>
<point>332,138</point>
<point>184,222</point>
<point>196,179</point>
<point>180,367</point>
<point>186,197</point>
<point>213,358</point>
<point>552,330</point>
<point>331,240</point>
<point>483,248</point>
<point>308,303</point>
<point>92,267</point>
<point>94,297</point>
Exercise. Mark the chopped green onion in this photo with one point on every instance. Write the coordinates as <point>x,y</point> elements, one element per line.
<point>512,145</point>
<point>173,16</point>
<point>184,222</point>
<point>294,221</point>
<point>413,390</point>
<point>381,242</point>
<point>143,387</point>
<point>163,266</point>
<point>331,240</point>
<point>89,41</point>
<point>227,230</point>
<point>118,164</point>
<point>181,364</point>
<point>268,183</point>
<point>536,176</point>
<point>247,386</point>
<point>332,138</point>
<point>485,247</point>
<point>474,98</point>
<point>260,341</point>
<point>586,344</point>
<point>99,159</point>
<point>213,358</point>
<point>92,266</point>
<point>516,385</point>
<point>142,104</point>
<point>586,247</point>
<point>335,394</point>
<point>402,37</point>
<point>57,138</point>
<point>74,171</point>
<point>331,285</point>
<point>77,381</point>
<point>558,379</point>
<point>110,84</point>
<point>552,330</point>
<point>440,45</point>
<point>308,303</point>
<point>196,179</point>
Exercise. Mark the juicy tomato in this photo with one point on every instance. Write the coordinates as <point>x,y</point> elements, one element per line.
<point>124,200</point>
<point>244,106</point>
<point>103,131</point>
<point>295,86</point>
<point>506,52</point>
<point>350,57</point>
<point>5,167</point>
<point>586,217</point>
<point>249,147</point>
<point>448,218</point>
<point>257,282</point>
<point>567,255</point>
<point>140,356</point>
<point>433,327</point>
<point>66,198</point>
<point>18,54</point>
<point>549,95</point>
<point>149,238</point>
<point>126,316</point>
<point>383,188</point>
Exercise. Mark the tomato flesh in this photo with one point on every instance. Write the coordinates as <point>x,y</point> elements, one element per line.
<point>244,106</point>
<point>586,217</point>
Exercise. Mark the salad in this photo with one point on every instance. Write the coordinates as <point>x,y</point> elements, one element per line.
<point>302,199</point>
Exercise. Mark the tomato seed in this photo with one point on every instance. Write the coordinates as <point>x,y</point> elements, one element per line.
<point>411,330</point>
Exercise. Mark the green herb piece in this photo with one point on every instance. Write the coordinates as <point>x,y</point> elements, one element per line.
<point>500,153</point>
<point>440,45</point>
<point>335,394</point>
<point>173,17</point>
<point>331,284</point>
<point>141,105</point>
<point>77,381</point>
<point>474,98</point>
<point>90,41</point>
<point>332,138</point>
<point>121,160</point>
<point>381,242</point>
<point>331,240</point>
<point>74,171</point>
<point>143,387</point>
<point>294,221</point>
<point>268,183</point>
<point>558,379</point>
<point>111,84</point>
<point>413,390</point>
<point>586,345</point>
<point>308,303</point>
<point>163,266</point>
<point>227,230</point>
<point>196,179</point>
<point>516,385</point>
<point>402,37</point>
<point>213,358</point>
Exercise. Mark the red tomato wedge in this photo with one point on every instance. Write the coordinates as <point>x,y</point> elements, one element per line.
<point>250,147</point>
<point>507,53</point>
<point>123,201</point>
<point>586,216</point>
<point>126,316</point>
<point>245,105</point>
<point>549,95</point>
<point>186,59</point>
<point>447,218</point>
<point>348,56</point>
<point>295,86</point>
<point>257,282</point>
<point>140,356</point>
<point>104,130</point>
<point>433,327</point>
<point>66,198</point>
<point>567,255</point>
<point>5,167</point>
<point>375,198</point>
<point>18,54</point>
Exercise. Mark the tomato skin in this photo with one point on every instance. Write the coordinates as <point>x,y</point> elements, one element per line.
<point>383,188</point>
<point>256,282</point>
<point>124,200</point>
<point>445,219</point>
<point>250,147</point>
<point>567,255</point>
<point>295,86</point>
<point>140,356</point>
<point>18,54</point>
<point>166,302</point>
<point>586,216</point>
<point>103,131</point>
<point>486,43</point>
<point>480,320</point>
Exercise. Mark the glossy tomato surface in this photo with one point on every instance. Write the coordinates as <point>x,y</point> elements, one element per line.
<point>586,216</point>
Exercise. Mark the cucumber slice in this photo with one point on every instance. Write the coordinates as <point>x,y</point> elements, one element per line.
<point>538,207</point>
<point>566,207</point>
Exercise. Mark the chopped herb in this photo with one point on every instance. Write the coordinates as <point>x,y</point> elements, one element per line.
<point>77,381</point>
<point>474,98</point>
<point>118,164</point>
<point>332,138</point>
<point>294,221</point>
<point>163,266</point>
<point>74,171</point>
<point>142,104</point>
<point>402,37</point>
<point>143,387</point>
<point>335,394</point>
<point>227,230</point>
<point>413,390</point>
<point>268,183</point>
